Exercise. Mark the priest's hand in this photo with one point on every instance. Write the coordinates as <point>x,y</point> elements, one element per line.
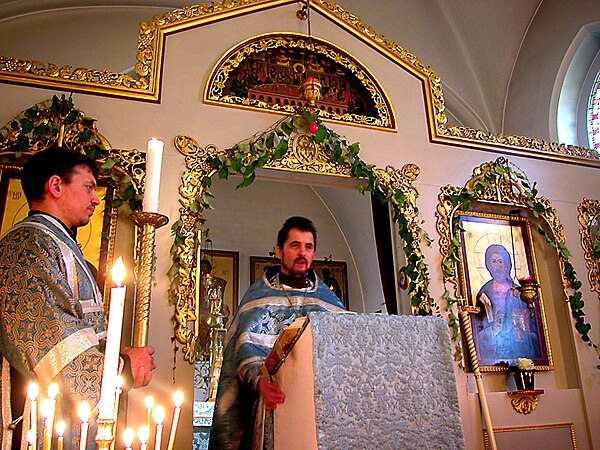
<point>141,364</point>
<point>271,393</point>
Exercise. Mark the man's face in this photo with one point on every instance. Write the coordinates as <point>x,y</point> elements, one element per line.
<point>297,253</point>
<point>78,199</point>
<point>498,267</point>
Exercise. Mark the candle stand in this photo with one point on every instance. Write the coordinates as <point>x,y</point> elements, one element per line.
<point>105,435</point>
<point>147,222</point>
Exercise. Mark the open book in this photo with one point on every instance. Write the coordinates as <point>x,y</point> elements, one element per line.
<point>283,346</point>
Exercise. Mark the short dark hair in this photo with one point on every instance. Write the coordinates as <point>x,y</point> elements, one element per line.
<point>300,223</point>
<point>49,162</point>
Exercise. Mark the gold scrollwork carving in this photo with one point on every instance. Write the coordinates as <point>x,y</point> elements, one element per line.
<point>589,218</point>
<point>524,403</point>
<point>302,157</point>
<point>384,117</point>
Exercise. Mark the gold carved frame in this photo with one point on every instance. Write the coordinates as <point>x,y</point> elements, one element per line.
<point>385,119</point>
<point>145,83</point>
<point>302,157</point>
<point>495,190</point>
<point>589,218</point>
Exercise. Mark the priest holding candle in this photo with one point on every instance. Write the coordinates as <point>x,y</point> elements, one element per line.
<point>52,324</point>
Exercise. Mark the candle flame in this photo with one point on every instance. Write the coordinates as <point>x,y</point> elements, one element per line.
<point>118,272</point>
<point>46,408</point>
<point>84,411</point>
<point>33,390</point>
<point>60,428</point>
<point>53,391</point>
<point>158,414</point>
<point>178,399</point>
<point>128,436</point>
<point>143,434</point>
<point>149,402</point>
<point>31,436</point>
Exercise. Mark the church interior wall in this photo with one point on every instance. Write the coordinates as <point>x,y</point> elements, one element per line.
<point>189,58</point>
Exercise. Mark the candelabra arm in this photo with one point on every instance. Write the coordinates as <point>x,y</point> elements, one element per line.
<point>147,222</point>
<point>106,433</point>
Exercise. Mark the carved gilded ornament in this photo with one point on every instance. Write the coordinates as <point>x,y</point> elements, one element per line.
<point>144,83</point>
<point>303,156</point>
<point>492,183</point>
<point>262,50</point>
<point>589,218</point>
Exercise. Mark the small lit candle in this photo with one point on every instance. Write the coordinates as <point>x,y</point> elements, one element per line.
<point>178,401</point>
<point>60,431</point>
<point>30,439</point>
<point>159,415</point>
<point>113,343</point>
<point>46,412</point>
<point>149,402</point>
<point>84,414</point>
<point>32,392</point>
<point>128,436</point>
<point>143,435</point>
<point>154,152</point>
<point>52,393</point>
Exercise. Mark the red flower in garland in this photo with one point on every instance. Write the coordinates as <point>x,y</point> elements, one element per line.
<point>313,127</point>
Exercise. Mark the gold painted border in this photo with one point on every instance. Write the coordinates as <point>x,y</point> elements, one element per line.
<point>213,93</point>
<point>569,425</point>
<point>145,84</point>
<point>589,214</point>
<point>301,158</point>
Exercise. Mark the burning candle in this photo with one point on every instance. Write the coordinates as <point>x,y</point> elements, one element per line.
<point>143,435</point>
<point>84,414</point>
<point>177,400</point>
<point>154,151</point>
<point>32,392</point>
<point>113,343</point>
<point>60,431</point>
<point>149,402</point>
<point>128,436</point>
<point>159,415</point>
<point>46,412</point>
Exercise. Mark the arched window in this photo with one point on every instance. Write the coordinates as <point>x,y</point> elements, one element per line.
<point>593,115</point>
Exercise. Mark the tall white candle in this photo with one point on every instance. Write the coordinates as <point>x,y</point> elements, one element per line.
<point>84,415</point>
<point>32,392</point>
<point>154,152</point>
<point>128,436</point>
<point>60,431</point>
<point>159,415</point>
<point>143,435</point>
<point>113,344</point>
<point>178,401</point>
<point>46,410</point>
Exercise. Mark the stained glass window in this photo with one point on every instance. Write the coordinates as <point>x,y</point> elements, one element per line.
<point>593,115</point>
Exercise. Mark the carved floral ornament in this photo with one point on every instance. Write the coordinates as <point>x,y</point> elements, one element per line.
<point>285,146</point>
<point>502,184</point>
<point>144,82</point>
<point>589,218</point>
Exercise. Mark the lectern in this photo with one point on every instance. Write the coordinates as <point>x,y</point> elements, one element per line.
<point>368,381</point>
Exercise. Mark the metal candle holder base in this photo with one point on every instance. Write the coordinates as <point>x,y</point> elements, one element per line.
<point>106,435</point>
<point>148,222</point>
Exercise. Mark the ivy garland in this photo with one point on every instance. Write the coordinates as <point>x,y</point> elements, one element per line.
<point>462,201</point>
<point>50,122</point>
<point>249,155</point>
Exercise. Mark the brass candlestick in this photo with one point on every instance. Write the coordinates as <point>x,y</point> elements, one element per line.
<point>105,435</point>
<point>148,222</point>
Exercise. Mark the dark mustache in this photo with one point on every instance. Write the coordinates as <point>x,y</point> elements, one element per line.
<point>301,259</point>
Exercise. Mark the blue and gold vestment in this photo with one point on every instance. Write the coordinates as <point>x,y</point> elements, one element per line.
<point>267,308</point>
<point>52,316</point>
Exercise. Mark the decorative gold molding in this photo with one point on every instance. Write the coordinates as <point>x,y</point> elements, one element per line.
<point>491,184</point>
<point>589,218</point>
<point>569,426</point>
<point>301,158</point>
<point>144,84</point>
<point>214,92</point>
